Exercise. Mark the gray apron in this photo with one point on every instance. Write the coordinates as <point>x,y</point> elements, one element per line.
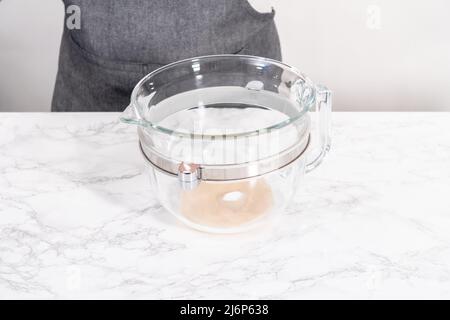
<point>121,41</point>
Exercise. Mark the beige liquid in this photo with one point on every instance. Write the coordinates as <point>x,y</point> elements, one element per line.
<point>221,204</point>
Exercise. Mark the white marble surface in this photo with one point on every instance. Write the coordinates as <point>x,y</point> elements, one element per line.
<point>78,218</point>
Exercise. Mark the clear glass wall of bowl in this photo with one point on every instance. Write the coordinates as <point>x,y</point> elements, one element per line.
<point>244,122</point>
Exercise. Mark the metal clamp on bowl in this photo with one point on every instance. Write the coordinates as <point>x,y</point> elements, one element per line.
<point>190,174</point>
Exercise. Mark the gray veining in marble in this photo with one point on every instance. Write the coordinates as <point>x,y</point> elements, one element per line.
<point>78,218</point>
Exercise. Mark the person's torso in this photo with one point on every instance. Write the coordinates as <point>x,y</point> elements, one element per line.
<point>162,31</point>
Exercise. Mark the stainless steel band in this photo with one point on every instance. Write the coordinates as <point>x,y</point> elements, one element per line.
<point>189,173</point>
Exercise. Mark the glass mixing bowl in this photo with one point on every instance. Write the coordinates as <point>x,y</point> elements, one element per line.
<point>228,138</point>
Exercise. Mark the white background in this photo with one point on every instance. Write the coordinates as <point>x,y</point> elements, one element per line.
<point>375,55</point>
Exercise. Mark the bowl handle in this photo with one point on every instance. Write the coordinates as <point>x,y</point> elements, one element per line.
<point>322,132</point>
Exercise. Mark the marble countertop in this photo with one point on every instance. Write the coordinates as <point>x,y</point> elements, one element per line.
<point>78,218</point>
